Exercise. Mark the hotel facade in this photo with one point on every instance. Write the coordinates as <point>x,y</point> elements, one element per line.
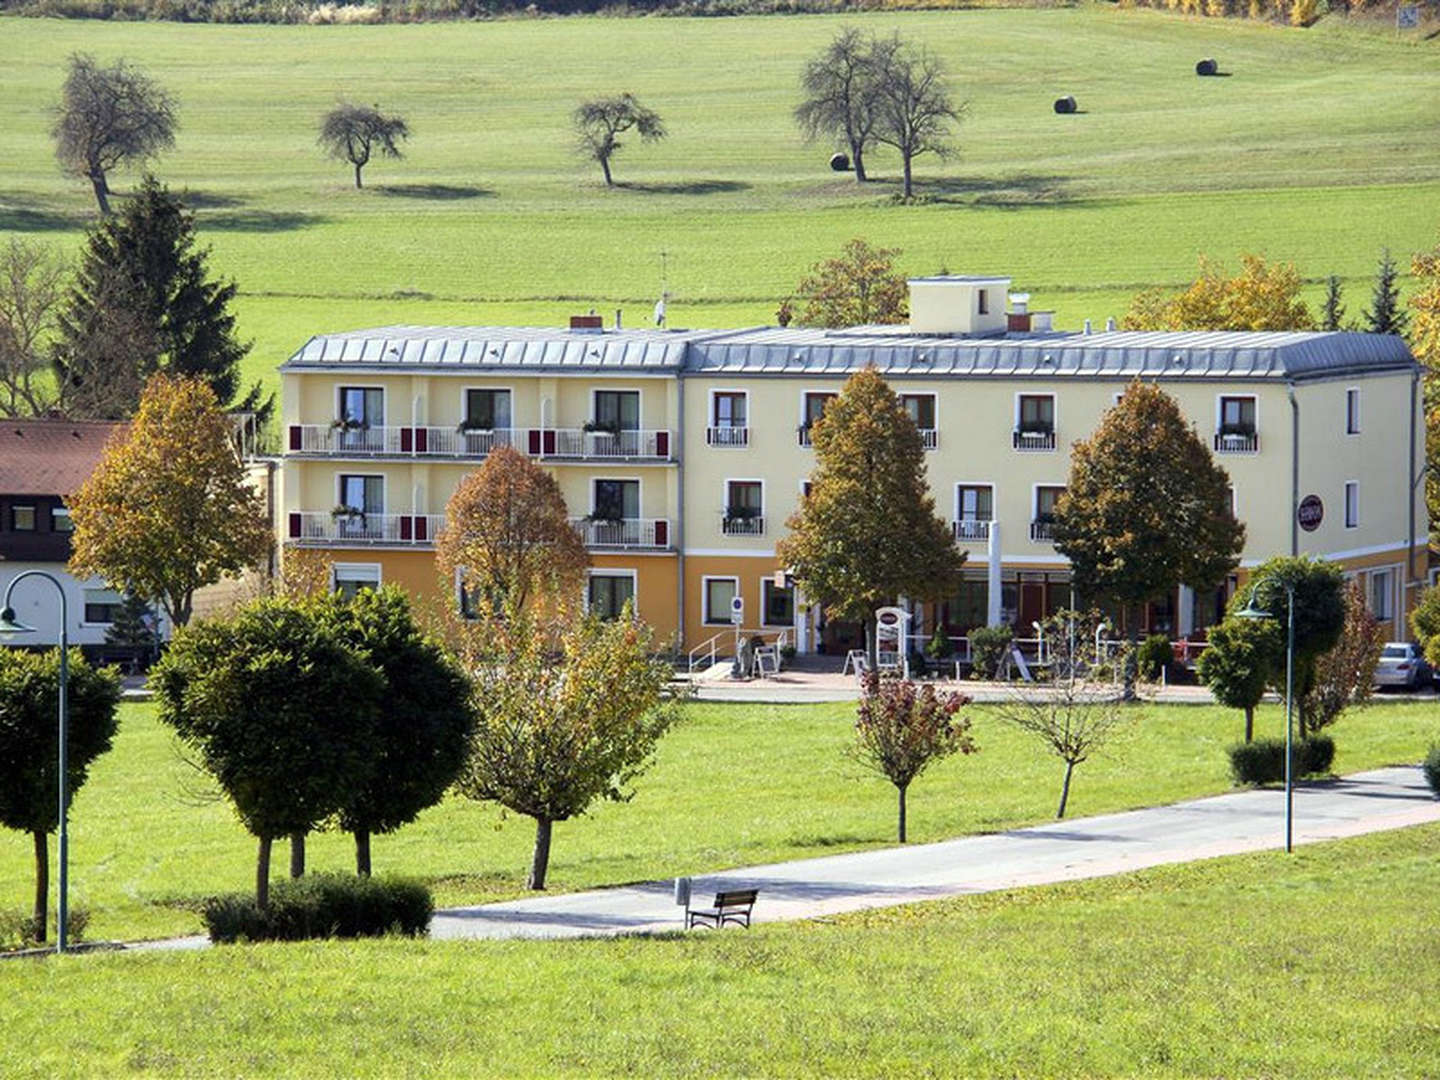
<point>682,453</point>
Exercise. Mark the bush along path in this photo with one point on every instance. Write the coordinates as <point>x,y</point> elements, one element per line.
<point>1240,821</point>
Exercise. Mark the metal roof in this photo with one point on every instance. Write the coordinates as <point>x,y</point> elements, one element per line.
<point>771,351</point>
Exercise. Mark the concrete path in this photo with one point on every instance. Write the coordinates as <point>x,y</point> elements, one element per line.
<point>1062,851</point>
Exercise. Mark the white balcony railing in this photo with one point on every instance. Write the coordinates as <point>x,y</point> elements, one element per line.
<point>1242,442</point>
<point>624,533</point>
<point>323,525</point>
<point>326,439</point>
<point>727,436</point>
<point>606,445</point>
<point>1034,440</point>
<point>930,437</point>
<point>1042,531</point>
<point>450,442</point>
<point>742,526</point>
<point>971,529</point>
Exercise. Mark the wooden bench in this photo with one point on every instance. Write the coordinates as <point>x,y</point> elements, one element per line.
<point>733,905</point>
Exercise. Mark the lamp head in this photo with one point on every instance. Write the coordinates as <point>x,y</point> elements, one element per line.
<point>8,625</point>
<point>1250,611</point>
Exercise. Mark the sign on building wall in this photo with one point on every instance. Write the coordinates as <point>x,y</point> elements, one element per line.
<point>1310,513</point>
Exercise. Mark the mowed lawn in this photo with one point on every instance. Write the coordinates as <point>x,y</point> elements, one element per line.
<point>1319,147</point>
<point>1320,963</point>
<point>732,785</point>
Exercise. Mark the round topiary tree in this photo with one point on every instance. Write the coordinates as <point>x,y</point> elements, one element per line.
<point>1235,664</point>
<point>30,745</point>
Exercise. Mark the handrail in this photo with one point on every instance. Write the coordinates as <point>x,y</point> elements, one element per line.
<point>692,657</point>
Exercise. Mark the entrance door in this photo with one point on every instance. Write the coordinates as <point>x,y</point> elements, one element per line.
<point>1032,607</point>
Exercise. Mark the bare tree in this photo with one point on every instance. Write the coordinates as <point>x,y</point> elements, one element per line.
<point>110,117</point>
<point>913,106</point>
<point>30,288</point>
<point>1077,714</point>
<point>841,92</point>
<point>353,132</point>
<point>599,124</point>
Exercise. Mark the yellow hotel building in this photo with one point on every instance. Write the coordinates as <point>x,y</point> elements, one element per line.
<point>682,453</point>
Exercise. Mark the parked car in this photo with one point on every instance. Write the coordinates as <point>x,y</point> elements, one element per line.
<point>1402,664</point>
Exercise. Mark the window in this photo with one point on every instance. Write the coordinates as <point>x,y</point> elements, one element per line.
<point>618,409</point>
<point>728,408</point>
<point>616,500</point>
<point>487,410</point>
<point>1230,497</point>
<point>814,409</point>
<point>720,592</point>
<point>607,594</point>
<point>22,518</point>
<point>363,493</point>
<point>362,405</point>
<point>1237,416</point>
<point>921,408</point>
<point>970,606</point>
<point>744,498</point>
<point>1352,412</point>
<point>102,605</point>
<point>1352,504</point>
<point>974,502</point>
<point>1382,594</point>
<point>351,578</point>
<point>1045,499</point>
<point>982,301</point>
<point>777,603</point>
<point>1037,413</point>
<point>805,486</point>
<point>60,520</point>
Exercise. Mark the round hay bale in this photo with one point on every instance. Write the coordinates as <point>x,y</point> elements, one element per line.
<point>840,162</point>
<point>1208,66</point>
<point>1065,104</point>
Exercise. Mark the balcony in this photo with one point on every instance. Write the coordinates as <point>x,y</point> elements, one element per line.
<point>329,439</point>
<point>599,445</point>
<point>742,525</point>
<point>930,437</point>
<point>971,529</point>
<point>1034,440</point>
<point>626,533</point>
<point>452,442</point>
<point>1237,442</point>
<point>324,527</point>
<point>727,436</point>
<point>1042,530</point>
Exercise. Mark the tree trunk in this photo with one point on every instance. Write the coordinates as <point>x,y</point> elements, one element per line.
<point>1065,790</point>
<point>358,167</point>
<point>857,155</point>
<point>1132,657</point>
<point>297,854</point>
<point>262,874</point>
<point>901,789</point>
<point>102,192</point>
<point>605,168</point>
<point>541,862</point>
<point>362,852</point>
<point>908,185</point>
<point>42,882</point>
<point>872,642</point>
<point>1249,722</point>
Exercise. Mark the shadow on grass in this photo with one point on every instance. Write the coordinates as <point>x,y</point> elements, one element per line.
<point>19,213</point>
<point>210,200</point>
<point>261,221</point>
<point>1017,191</point>
<point>689,187</point>
<point>439,192</point>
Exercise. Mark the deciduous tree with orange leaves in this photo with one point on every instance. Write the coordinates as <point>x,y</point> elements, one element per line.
<point>1263,296</point>
<point>169,510</point>
<point>861,286</point>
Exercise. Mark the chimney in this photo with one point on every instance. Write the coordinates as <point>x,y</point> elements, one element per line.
<point>1088,328</point>
<point>1110,324</point>
<point>617,318</point>
<point>1040,321</point>
<point>1017,320</point>
<point>587,324</point>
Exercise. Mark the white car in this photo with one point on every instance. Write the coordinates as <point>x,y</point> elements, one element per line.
<point>1402,664</point>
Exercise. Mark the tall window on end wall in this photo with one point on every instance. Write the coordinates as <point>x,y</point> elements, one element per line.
<point>352,579</point>
<point>921,408</point>
<point>1352,504</point>
<point>728,418</point>
<point>1382,594</point>
<point>607,594</point>
<point>1352,412</point>
<point>777,603</point>
<point>720,592</point>
<point>813,410</point>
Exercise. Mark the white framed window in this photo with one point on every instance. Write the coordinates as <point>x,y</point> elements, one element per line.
<point>488,408</point>
<point>608,591</point>
<point>60,520</point>
<point>101,606</point>
<point>729,419</point>
<point>360,405</point>
<point>922,411</point>
<point>812,407</point>
<point>718,594</point>
<point>1352,411</point>
<point>616,409</point>
<point>1352,504</point>
<point>1382,594</point>
<point>22,518</point>
<point>1237,414</point>
<point>974,510</point>
<point>744,511</point>
<point>348,579</point>
<point>1034,422</point>
<point>777,603</point>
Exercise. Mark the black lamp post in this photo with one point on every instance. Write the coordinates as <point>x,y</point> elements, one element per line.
<point>8,627</point>
<point>1250,611</point>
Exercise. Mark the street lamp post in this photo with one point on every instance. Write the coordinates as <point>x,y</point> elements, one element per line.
<point>8,627</point>
<point>1250,611</point>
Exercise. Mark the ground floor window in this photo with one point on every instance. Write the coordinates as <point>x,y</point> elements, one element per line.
<point>350,579</point>
<point>102,605</point>
<point>1382,594</point>
<point>607,594</point>
<point>720,592</point>
<point>970,606</point>
<point>778,603</point>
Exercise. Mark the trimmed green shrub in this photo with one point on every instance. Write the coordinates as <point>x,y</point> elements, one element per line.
<point>17,928</point>
<point>1154,656</point>
<point>1432,769</point>
<point>939,647</point>
<point>1263,761</point>
<point>323,906</point>
<point>988,646</point>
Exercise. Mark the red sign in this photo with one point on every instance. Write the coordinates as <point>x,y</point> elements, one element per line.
<point>1310,513</point>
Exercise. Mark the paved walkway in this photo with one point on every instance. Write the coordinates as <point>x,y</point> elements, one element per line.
<point>1061,851</point>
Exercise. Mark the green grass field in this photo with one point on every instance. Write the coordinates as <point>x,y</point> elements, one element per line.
<point>1321,147</point>
<point>1321,963</point>
<point>733,785</point>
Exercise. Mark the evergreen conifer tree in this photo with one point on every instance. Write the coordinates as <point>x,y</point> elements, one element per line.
<point>141,271</point>
<point>1333,314</point>
<point>133,625</point>
<point>1385,314</point>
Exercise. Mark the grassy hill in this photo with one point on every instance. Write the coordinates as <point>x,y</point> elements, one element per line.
<point>1319,147</point>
